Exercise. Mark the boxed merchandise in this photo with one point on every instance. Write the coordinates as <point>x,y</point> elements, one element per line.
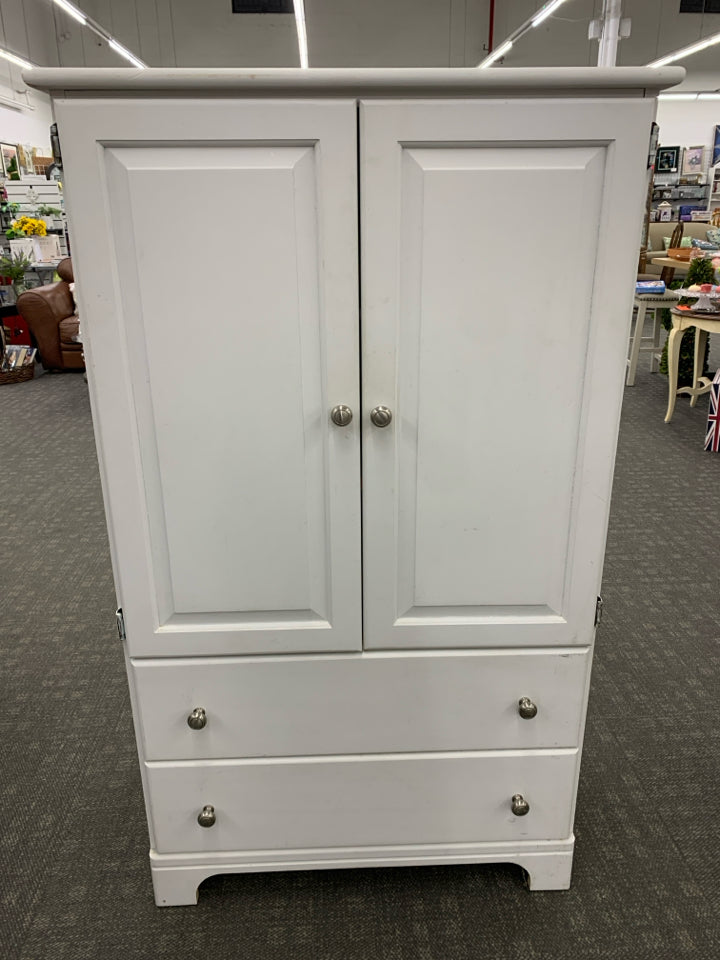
<point>712,437</point>
<point>46,248</point>
<point>22,245</point>
<point>686,210</point>
<point>655,287</point>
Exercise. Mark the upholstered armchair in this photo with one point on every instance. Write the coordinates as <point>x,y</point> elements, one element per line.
<point>49,311</point>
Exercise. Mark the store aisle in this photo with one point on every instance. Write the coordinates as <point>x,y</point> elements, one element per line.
<point>76,881</point>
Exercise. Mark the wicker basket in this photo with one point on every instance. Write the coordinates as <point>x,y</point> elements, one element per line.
<point>18,376</point>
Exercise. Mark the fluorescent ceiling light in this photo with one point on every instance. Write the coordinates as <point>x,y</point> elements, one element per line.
<point>546,11</point>
<point>535,20</point>
<point>686,51</point>
<point>71,10</point>
<point>18,61</point>
<point>497,54</point>
<point>77,14</point>
<point>677,96</point>
<point>299,9</point>
<point>709,96</point>
<point>119,48</point>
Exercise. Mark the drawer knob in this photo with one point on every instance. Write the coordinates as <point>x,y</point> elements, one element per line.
<point>341,415</point>
<point>381,416</point>
<point>197,719</point>
<point>206,817</point>
<point>518,805</point>
<point>526,708</point>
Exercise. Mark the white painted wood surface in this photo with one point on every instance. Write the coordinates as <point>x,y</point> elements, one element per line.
<point>234,506</point>
<point>176,877</point>
<point>234,501</point>
<point>376,703</point>
<point>571,82</point>
<point>362,800</point>
<point>486,499</point>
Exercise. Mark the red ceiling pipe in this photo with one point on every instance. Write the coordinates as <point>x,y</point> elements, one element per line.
<point>491,26</point>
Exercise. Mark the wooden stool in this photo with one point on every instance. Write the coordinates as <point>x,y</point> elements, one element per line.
<point>644,302</point>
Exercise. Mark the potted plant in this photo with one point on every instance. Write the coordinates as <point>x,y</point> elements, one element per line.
<point>26,227</point>
<point>21,233</point>
<point>8,212</point>
<point>49,215</point>
<point>14,265</point>
<point>700,271</point>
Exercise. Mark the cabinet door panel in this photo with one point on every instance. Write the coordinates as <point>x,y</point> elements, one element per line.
<point>495,310</point>
<point>217,349</point>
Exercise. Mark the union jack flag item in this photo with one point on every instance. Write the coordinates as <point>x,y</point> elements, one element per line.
<point>712,438</point>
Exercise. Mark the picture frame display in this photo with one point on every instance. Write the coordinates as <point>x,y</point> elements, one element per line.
<point>667,160</point>
<point>693,158</point>
<point>10,162</point>
<point>654,137</point>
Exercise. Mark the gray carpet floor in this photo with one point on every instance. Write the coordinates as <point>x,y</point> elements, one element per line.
<point>74,871</point>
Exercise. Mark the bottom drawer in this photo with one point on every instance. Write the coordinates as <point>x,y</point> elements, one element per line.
<point>361,801</point>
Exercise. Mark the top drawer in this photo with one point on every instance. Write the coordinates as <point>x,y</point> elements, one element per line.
<point>365,703</point>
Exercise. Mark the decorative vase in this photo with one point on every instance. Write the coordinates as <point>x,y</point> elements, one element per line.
<point>19,287</point>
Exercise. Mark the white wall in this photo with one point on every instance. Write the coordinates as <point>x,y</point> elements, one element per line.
<point>688,123</point>
<point>23,29</point>
<point>29,125</point>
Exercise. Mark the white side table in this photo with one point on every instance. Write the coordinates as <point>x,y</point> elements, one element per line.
<point>644,302</point>
<point>682,321</point>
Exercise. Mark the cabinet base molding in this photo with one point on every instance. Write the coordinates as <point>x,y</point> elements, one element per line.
<point>177,877</point>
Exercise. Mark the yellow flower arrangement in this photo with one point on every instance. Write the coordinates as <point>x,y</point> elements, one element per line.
<point>28,227</point>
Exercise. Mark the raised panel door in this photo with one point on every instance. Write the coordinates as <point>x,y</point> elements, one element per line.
<point>216,258</point>
<point>498,244</point>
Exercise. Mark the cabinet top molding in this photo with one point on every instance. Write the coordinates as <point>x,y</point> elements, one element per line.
<point>353,82</point>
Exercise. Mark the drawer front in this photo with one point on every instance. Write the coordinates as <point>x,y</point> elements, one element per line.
<point>361,801</point>
<point>370,703</point>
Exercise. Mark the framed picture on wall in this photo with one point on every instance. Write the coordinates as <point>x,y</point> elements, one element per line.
<point>654,137</point>
<point>716,147</point>
<point>667,159</point>
<point>693,160</point>
<point>11,167</point>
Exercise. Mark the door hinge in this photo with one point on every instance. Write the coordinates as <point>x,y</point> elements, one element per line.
<point>120,621</point>
<point>598,610</point>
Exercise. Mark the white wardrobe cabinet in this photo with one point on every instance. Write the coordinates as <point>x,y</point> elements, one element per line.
<point>356,426</point>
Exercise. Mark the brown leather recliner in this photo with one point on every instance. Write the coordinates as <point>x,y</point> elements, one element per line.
<point>49,311</point>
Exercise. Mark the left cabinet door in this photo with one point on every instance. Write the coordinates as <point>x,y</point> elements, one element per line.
<point>215,256</point>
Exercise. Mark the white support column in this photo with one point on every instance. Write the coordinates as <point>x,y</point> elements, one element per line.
<point>607,51</point>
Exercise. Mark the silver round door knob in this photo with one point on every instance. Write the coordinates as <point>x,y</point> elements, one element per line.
<point>341,415</point>
<point>519,805</point>
<point>197,719</point>
<point>206,817</point>
<point>381,416</point>
<point>526,708</point>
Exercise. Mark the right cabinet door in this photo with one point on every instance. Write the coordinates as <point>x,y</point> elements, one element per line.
<point>499,249</point>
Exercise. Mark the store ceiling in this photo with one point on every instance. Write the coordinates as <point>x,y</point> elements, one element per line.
<point>346,33</point>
